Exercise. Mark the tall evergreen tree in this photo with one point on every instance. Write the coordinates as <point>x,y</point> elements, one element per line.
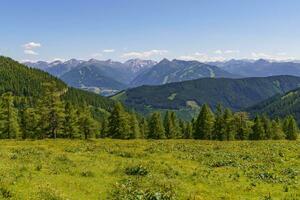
<point>292,131</point>
<point>134,127</point>
<point>156,128</point>
<point>88,126</point>
<point>243,125</point>
<point>70,123</point>
<point>51,111</point>
<point>258,131</point>
<point>188,131</point>
<point>171,125</point>
<point>118,123</point>
<point>267,126</point>
<point>144,129</point>
<point>104,128</point>
<point>219,125</point>
<point>230,129</point>
<point>30,123</point>
<point>277,132</point>
<point>9,125</point>
<point>204,124</point>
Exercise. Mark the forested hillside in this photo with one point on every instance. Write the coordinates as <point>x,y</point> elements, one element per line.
<point>29,83</point>
<point>235,94</point>
<point>279,105</point>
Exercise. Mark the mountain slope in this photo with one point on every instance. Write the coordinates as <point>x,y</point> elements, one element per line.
<point>28,82</point>
<point>177,70</point>
<point>233,93</point>
<point>89,77</point>
<point>260,68</point>
<point>279,105</point>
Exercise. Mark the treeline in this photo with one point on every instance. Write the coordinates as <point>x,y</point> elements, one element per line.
<point>53,117</point>
<point>222,125</point>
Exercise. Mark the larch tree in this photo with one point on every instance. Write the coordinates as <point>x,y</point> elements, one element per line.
<point>118,123</point>
<point>156,128</point>
<point>9,124</point>
<point>71,122</point>
<point>204,124</point>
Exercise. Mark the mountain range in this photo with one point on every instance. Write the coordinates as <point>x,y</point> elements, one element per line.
<point>259,68</point>
<point>109,77</point>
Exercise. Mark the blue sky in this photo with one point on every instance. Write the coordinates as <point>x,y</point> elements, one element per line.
<point>150,29</point>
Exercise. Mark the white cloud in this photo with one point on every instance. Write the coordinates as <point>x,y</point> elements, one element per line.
<point>281,56</point>
<point>202,57</point>
<point>31,45</point>
<point>108,51</point>
<point>30,52</point>
<point>145,54</point>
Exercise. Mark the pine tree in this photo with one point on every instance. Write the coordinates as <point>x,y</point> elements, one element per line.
<point>243,125</point>
<point>88,126</point>
<point>71,124</point>
<point>104,128</point>
<point>118,123</point>
<point>292,131</point>
<point>134,127</point>
<point>171,125</point>
<point>188,131</point>
<point>277,132</point>
<point>229,127</point>
<point>29,123</point>
<point>267,126</point>
<point>219,125</point>
<point>144,128</point>
<point>258,131</point>
<point>156,128</point>
<point>204,124</point>
<point>51,111</point>
<point>9,125</point>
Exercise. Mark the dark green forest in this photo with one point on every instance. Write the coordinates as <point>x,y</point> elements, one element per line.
<point>236,94</point>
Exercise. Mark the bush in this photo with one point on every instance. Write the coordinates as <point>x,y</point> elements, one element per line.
<point>136,171</point>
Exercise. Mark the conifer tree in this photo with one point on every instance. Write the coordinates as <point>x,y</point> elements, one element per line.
<point>156,128</point>
<point>104,128</point>
<point>71,124</point>
<point>118,123</point>
<point>219,125</point>
<point>204,124</point>
<point>188,131</point>
<point>277,132</point>
<point>134,127</point>
<point>171,125</point>
<point>243,125</point>
<point>9,125</point>
<point>258,131</point>
<point>29,123</point>
<point>267,126</point>
<point>88,126</point>
<point>51,111</point>
<point>292,131</point>
<point>229,128</point>
<point>144,129</point>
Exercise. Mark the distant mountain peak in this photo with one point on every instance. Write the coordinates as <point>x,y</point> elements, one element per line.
<point>262,61</point>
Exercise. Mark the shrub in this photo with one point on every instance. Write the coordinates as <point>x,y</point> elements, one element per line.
<point>136,171</point>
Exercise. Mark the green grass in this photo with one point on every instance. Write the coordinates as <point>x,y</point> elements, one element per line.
<point>140,169</point>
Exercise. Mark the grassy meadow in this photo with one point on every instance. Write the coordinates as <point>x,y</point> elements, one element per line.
<point>146,169</point>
